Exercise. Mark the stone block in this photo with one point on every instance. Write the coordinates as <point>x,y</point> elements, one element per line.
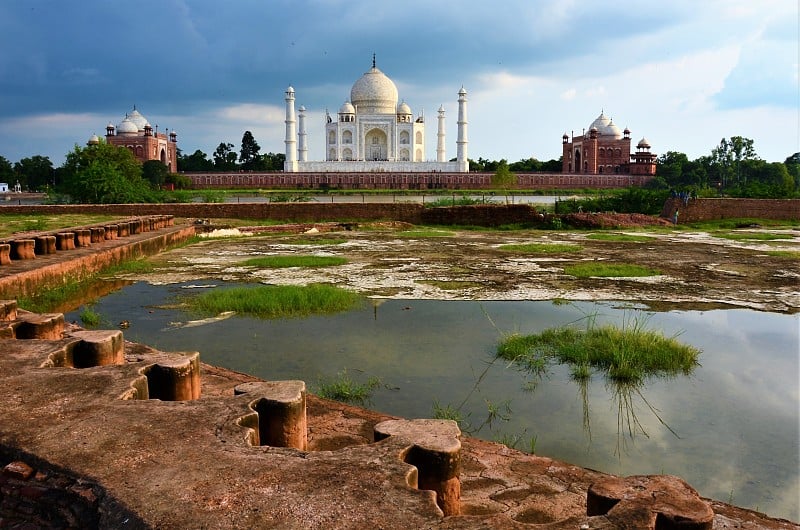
<point>97,348</point>
<point>661,502</point>
<point>45,245</point>
<point>434,451</point>
<point>5,254</point>
<point>47,326</point>
<point>281,409</point>
<point>65,240</point>
<point>8,310</point>
<point>23,249</point>
<point>83,237</point>
<point>98,234</point>
<point>174,378</point>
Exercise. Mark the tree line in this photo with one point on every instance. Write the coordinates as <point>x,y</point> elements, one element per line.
<point>105,173</point>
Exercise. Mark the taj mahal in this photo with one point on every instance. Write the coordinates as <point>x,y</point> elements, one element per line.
<point>373,132</point>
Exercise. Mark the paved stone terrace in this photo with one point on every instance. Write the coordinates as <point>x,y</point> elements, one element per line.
<point>97,432</point>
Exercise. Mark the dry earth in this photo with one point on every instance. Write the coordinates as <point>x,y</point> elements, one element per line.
<point>696,269</point>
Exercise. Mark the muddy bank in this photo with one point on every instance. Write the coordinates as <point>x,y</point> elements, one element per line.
<point>695,269</point>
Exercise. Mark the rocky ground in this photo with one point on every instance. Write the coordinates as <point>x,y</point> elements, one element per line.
<point>696,269</point>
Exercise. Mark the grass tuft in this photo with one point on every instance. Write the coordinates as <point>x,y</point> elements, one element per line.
<point>345,389</point>
<point>627,354</point>
<point>276,301</point>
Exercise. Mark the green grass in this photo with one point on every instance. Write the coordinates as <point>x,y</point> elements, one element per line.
<point>90,318</point>
<point>788,254</point>
<point>425,232</point>
<point>751,236</point>
<point>47,300</point>
<point>57,297</point>
<point>619,238</point>
<point>541,248</point>
<point>344,388</point>
<point>624,354</point>
<point>608,270</point>
<point>13,223</point>
<point>276,301</point>
<point>282,262</point>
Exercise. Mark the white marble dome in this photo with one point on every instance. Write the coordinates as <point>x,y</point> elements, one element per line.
<point>403,108</point>
<point>136,117</point>
<point>374,93</point>
<point>643,144</point>
<point>126,126</point>
<point>605,126</point>
<point>347,108</point>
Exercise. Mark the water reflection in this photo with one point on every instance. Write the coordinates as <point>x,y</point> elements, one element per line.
<point>737,415</point>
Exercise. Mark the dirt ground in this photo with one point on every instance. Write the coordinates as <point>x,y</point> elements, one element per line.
<point>697,270</point>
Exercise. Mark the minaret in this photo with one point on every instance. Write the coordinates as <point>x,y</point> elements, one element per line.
<point>290,165</point>
<point>461,143</point>
<point>441,155</point>
<point>302,148</point>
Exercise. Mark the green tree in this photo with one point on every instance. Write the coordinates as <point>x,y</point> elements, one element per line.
<point>6,170</point>
<point>104,174</point>
<point>730,160</point>
<point>197,161</point>
<point>792,164</point>
<point>249,154</point>
<point>155,172</point>
<point>34,173</point>
<point>504,178</point>
<point>224,157</point>
<point>273,161</point>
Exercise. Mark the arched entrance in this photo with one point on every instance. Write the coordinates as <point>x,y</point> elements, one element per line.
<point>375,145</point>
<point>578,159</point>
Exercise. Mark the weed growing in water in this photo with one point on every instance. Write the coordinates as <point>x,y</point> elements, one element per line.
<point>345,389</point>
<point>90,318</point>
<point>276,301</point>
<point>629,353</point>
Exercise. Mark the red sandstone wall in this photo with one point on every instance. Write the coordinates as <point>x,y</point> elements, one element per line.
<point>710,209</point>
<point>409,181</point>
<point>299,212</point>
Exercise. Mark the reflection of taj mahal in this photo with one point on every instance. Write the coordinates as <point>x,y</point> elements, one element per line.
<point>372,132</point>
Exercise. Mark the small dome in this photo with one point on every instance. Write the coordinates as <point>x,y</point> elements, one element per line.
<point>94,140</point>
<point>605,126</point>
<point>347,108</point>
<point>403,108</point>
<point>613,130</point>
<point>627,131</point>
<point>126,126</point>
<point>137,119</point>
<point>643,144</point>
<point>302,108</point>
<point>374,93</point>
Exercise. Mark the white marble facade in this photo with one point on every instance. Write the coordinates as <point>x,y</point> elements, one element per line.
<point>372,132</point>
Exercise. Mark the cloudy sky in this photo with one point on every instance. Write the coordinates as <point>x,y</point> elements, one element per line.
<point>683,73</point>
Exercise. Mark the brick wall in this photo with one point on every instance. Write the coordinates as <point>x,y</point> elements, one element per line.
<point>486,215</point>
<point>709,209</point>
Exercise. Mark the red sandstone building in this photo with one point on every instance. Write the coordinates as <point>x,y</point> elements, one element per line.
<point>135,133</point>
<point>606,150</point>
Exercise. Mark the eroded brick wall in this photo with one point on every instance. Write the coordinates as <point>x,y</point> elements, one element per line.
<point>690,210</point>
